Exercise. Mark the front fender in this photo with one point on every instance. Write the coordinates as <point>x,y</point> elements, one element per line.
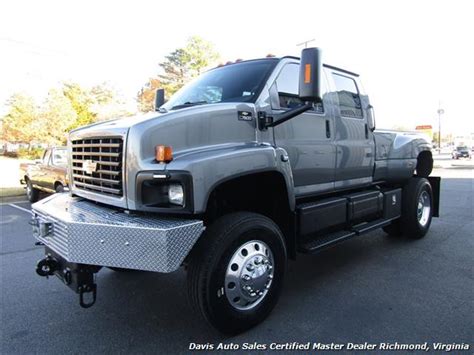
<point>211,166</point>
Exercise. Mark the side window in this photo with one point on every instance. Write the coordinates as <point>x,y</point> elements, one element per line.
<point>348,95</point>
<point>46,156</point>
<point>287,86</point>
<point>59,157</point>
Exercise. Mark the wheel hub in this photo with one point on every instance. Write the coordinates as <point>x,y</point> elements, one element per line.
<point>256,275</point>
<point>423,209</point>
<point>249,275</point>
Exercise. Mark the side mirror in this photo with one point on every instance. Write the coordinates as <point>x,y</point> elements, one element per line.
<point>159,98</point>
<point>371,117</point>
<point>310,75</point>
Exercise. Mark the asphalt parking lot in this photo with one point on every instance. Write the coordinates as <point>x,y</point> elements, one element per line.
<point>370,289</point>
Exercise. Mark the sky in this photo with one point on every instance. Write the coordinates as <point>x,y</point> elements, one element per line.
<point>413,56</point>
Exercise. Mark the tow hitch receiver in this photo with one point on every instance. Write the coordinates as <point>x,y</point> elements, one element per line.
<point>78,277</point>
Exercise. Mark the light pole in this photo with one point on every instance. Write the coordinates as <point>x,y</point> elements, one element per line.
<point>305,43</point>
<point>440,112</point>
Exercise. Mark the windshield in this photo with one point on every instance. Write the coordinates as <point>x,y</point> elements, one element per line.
<point>240,82</point>
<point>461,148</point>
<point>60,157</point>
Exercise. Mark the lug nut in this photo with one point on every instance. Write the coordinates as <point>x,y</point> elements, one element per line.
<point>246,277</point>
<point>250,267</point>
<point>253,294</point>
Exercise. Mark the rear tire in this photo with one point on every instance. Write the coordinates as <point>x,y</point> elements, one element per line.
<point>236,271</point>
<point>59,188</point>
<point>417,208</point>
<point>31,193</point>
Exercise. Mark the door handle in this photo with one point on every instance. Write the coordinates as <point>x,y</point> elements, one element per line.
<point>366,131</point>
<point>328,130</point>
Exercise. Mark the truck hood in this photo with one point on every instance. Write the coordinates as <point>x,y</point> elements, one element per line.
<point>187,129</point>
<point>118,125</point>
<point>197,127</point>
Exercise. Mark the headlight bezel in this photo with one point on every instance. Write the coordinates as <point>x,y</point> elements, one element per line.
<point>153,186</point>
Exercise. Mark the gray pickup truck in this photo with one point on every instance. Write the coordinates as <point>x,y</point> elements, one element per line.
<point>244,168</point>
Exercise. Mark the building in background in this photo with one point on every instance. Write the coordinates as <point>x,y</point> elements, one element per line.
<point>426,129</point>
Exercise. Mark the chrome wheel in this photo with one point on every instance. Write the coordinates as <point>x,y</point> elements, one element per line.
<point>424,208</point>
<point>28,189</point>
<point>249,275</point>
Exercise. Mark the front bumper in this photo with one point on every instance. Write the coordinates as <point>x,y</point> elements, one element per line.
<point>84,232</point>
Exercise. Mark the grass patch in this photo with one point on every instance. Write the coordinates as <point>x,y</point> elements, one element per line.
<point>12,191</point>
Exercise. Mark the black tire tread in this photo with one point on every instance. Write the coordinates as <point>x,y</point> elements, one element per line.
<point>34,197</point>
<point>202,257</point>
<point>408,221</point>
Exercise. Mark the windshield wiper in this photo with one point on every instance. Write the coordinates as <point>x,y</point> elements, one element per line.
<point>189,104</point>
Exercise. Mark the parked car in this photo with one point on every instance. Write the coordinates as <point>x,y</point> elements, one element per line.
<point>48,174</point>
<point>461,152</point>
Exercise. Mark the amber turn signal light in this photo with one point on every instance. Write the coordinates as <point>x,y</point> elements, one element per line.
<point>307,73</point>
<point>163,154</point>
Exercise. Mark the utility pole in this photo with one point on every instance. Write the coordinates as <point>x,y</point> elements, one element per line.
<point>440,112</point>
<point>306,43</point>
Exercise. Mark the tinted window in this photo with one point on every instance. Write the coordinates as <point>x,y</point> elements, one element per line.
<point>348,95</point>
<point>287,86</point>
<point>241,82</point>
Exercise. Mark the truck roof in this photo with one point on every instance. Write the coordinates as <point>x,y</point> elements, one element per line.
<point>288,56</point>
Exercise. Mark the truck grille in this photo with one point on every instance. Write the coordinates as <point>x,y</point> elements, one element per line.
<point>97,165</point>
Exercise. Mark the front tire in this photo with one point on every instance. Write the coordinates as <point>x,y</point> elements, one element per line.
<point>59,188</point>
<point>31,193</point>
<point>236,271</point>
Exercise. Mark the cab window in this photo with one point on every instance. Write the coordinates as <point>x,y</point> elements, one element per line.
<point>59,157</point>
<point>46,156</point>
<point>287,87</point>
<point>348,95</point>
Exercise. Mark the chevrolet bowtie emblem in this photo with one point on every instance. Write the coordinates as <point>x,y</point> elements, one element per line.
<point>89,166</point>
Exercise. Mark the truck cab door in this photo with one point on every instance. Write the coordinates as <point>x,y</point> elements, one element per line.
<point>307,138</point>
<point>354,139</point>
<point>50,172</point>
<point>37,172</point>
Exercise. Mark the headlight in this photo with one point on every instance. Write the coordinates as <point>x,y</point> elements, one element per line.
<point>176,194</point>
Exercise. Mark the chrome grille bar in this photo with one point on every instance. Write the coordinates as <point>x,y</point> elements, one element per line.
<point>97,165</point>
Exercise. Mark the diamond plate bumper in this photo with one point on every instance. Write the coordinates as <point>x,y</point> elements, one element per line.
<point>84,232</point>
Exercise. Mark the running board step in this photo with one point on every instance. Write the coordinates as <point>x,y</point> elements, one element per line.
<point>328,240</point>
<point>370,226</point>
